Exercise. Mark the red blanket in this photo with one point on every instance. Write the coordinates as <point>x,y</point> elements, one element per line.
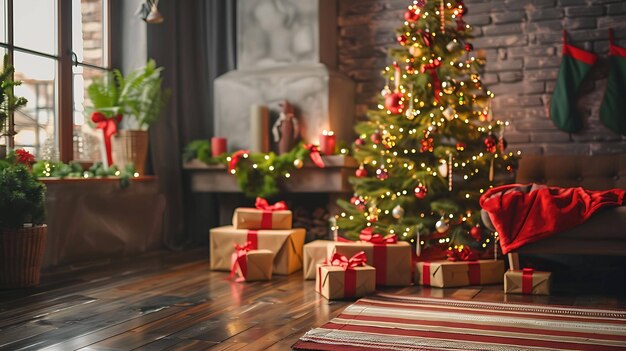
<point>523,214</point>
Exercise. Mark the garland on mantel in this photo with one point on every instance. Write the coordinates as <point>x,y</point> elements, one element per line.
<point>257,174</point>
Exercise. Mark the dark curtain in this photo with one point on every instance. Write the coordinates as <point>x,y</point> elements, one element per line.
<point>195,45</point>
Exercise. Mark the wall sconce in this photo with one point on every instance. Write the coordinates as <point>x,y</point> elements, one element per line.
<point>149,12</point>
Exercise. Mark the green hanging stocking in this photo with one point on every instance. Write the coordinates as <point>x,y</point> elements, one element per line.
<point>575,65</point>
<point>613,109</point>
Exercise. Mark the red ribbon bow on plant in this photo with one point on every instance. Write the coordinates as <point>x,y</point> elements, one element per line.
<point>262,204</point>
<point>368,235</point>
<point>462,254</point>
<point>314,153</point>
<point>238,260</point>
<point>109,129</point>
<point>342,261</point>
<point>432,69</point>
<point>234,159</point>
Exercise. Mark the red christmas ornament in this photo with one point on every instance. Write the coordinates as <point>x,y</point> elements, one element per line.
<point>359,141</point>
<point>427,38</point>
<point>394,102</point>
<point>502,144</point>
<point>382,174</point>
<point>476,233</point>
<point>460,146</point>
<point>361,172</point>
<point>490,143</point>
<point>409,69</point>
<point>421,192</point>
<point>402,39</point>
<point>426,145</point>
<point>376,137</point>
<point>469,47</point>
<point>412,14</point>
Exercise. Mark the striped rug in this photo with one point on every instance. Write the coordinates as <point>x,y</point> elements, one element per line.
<point>386,322</point>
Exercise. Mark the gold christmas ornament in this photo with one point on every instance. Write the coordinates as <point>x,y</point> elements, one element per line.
<point>416,51</point>
<point>397,212</point>
<point>448,113</point>
<point>298,163</point>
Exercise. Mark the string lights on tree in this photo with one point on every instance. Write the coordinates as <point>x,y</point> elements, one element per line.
<point>432,145</point>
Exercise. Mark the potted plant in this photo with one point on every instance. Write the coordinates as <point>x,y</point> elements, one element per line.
<point>22,232</point>
<point>9,103</point>
<point>138,97</point>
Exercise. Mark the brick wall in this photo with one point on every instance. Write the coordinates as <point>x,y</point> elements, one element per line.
<point>522,40</point>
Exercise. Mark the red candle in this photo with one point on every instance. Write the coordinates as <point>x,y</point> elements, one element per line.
<point>328,142</point>
<point>218,146</point>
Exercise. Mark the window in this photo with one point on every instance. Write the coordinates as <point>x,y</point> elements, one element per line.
<point>57,48</point>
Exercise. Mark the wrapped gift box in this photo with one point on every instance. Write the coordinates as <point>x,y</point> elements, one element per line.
<point>392,261</point>
<point>257,265</point>
<point>449,274</point>
<point>527,281</point>
<point>314,253</point>
<point>286,244</point>
<point>335,282</point>
<point>252,218</point>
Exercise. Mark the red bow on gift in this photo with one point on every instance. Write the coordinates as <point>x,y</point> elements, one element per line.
<point>238,260</point>
<point>314,153</point>
<point>234,159</point>
<point>368,235</point>
<point>342,261</point>
<point>262,204</point>
<point>464,254</point>
<point>109,129</point>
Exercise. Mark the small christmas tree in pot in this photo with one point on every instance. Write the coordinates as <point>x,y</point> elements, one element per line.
<point>22,213</point>
<point>432,146</point>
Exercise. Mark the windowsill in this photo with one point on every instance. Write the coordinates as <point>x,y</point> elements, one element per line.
<point>56,180</point>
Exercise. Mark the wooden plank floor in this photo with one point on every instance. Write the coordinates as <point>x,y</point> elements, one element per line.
<point>171,301</point>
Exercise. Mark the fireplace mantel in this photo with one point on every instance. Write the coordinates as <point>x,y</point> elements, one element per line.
<point>311,179</point>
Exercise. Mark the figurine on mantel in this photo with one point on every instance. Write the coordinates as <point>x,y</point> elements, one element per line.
<point>286,130</point>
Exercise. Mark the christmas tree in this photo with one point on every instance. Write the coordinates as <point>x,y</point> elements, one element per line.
<point>431,147</point>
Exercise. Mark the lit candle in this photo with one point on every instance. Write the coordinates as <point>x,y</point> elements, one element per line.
<point>218,146</point>
<point>328,141</point>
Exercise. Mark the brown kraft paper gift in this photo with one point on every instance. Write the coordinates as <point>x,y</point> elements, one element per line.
<point>313,253</point>
<point>527,281</point>
<point>330,281</point>
<point>286,245</point>
<point>449,274</point>
<point>392,261</point>
<point>258,265</point>
<point>253,218</point>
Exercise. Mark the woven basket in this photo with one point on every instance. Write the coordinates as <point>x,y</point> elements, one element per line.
<point>21,254</point>
<point>130,147</point>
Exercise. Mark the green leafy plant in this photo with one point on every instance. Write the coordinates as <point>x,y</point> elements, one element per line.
<point>8,101</point>
<point>22,197</point>
<point>104,93</point>
<point>143,96</point>
<point>139,96</point>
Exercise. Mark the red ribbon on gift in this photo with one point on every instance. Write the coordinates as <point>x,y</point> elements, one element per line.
<point>239,260</point>
<point>348,264</point>
<point>432,69</point>
<point>380,251</point>
<point>266,216</point>
<point>426,274</point>
<point>109,129</point>
<point>235,158</point>
<point>314,153</point>
<point>253,239</point>
<point>527,280</point>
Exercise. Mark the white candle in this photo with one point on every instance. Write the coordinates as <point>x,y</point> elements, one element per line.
<point>259,128</point>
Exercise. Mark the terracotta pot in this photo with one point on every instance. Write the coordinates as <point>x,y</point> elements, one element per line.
<point>130,147</point>
<point>21,255</point>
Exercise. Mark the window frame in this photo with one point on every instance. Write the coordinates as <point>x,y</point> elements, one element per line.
<point>65,58</point>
